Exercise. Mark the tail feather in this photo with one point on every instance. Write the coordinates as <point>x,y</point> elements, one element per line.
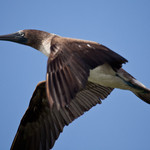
<point>145,96</point>
<point>135,86</point>
<point>140,90</point>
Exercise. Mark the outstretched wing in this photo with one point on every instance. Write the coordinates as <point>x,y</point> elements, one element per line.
<point>69,64</point>
<point>41,125</point>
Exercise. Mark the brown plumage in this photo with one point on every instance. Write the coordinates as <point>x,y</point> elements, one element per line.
<point>69,65</point>
<point>40,126</point>
<point>79,75</point>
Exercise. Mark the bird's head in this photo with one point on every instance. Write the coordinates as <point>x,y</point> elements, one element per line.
<point>31,38</point>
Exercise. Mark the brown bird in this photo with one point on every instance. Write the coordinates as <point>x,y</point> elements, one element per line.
<point>79,74</point>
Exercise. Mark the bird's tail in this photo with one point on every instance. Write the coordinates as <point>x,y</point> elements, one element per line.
<point>143,96</point>
<point>135,86</point>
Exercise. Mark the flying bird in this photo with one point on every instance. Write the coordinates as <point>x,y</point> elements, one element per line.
<point>80,73</point>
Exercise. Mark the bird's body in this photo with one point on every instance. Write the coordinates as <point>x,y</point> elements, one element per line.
<point>103,75</point>
<point>80,74</point>
<point>106,76</point>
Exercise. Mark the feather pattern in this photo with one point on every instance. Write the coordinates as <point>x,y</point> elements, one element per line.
<point>69,64</point>
<point>41,125</point>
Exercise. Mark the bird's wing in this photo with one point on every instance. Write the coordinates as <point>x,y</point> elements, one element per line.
<point>41,125</point>
<point>69,64</point>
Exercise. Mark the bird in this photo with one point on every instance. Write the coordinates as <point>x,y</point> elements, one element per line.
<point>79,73</point>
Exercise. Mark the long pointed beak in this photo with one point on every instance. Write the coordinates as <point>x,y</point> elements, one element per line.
<point>14,37</point>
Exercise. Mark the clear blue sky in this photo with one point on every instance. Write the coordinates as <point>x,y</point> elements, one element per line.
<point>122,121</point>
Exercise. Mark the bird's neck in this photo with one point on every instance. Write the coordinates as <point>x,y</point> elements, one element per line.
<point>45,45</point>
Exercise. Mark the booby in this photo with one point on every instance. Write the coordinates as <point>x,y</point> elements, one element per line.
<point>76,69</point>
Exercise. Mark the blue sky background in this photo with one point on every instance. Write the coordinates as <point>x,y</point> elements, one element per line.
<point>122,121</point>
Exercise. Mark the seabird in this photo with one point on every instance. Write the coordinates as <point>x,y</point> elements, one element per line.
<point>79,75</point>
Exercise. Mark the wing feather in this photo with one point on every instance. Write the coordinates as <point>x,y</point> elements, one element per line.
<point>69,64</point>
<point>41,125</point>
